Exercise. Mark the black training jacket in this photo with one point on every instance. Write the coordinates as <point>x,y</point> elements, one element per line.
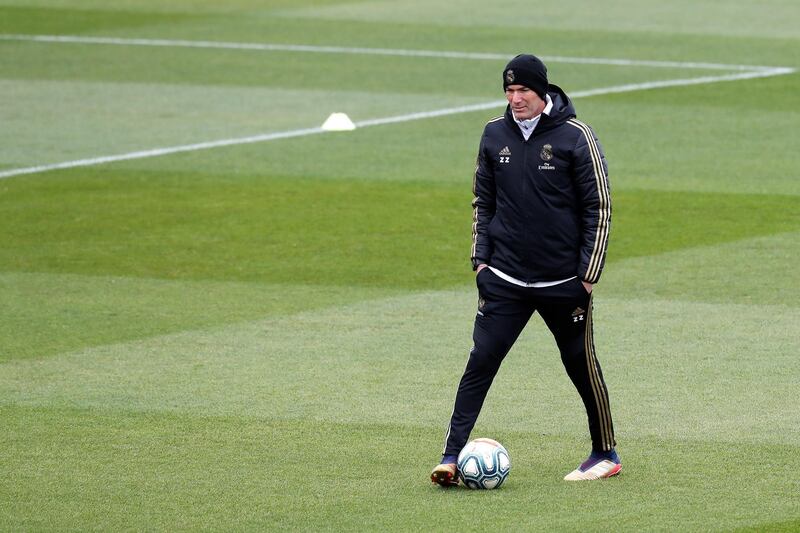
<point>542,207</point>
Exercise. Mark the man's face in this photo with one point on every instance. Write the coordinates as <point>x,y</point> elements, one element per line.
<point>525,103</point>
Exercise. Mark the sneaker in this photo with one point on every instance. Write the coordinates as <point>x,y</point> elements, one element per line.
<point>445,474</point>
<point>599,465</point>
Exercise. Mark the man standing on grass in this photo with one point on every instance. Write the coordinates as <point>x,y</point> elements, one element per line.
<point>541,219</point>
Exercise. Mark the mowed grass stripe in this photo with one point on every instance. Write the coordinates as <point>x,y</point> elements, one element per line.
<point>209,22</point>
<point>169,472</point>
<point>405,235</point>
<point>627,17</point>
<point>758,271</point>
<point>78,119</point>
<point>674,369</point>
<point>444,54</point>
<point>54,313</point>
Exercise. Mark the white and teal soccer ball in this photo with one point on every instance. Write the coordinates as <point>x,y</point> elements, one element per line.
<point>483,464</point>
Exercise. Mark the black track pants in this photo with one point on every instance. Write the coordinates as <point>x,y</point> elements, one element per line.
<point>503,311</point>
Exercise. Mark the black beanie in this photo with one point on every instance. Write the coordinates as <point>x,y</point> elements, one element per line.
<point>527,70</point>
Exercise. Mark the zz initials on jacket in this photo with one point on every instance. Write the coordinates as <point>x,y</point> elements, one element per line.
<point>505,155</point>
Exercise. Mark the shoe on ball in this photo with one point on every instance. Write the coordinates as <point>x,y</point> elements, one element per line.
<point>599,465</point>
<point>445,474</point>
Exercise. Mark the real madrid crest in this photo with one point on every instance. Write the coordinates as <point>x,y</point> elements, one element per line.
<point>510,76</point>
<point>547,152</point>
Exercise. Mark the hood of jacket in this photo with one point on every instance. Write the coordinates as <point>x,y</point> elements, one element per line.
<point>562,111</point>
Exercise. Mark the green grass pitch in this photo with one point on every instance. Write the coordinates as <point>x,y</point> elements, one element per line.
<point>268,336</point>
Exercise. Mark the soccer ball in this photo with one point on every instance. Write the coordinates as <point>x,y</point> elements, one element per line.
<point>483,464</point>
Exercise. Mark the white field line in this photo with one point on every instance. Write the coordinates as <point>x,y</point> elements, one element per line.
<point>370,122</point>
<point>155,152</point>
<point>748,73</point>
<point>273,47</point>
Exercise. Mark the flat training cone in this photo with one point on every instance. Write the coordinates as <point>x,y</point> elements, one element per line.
<point>338,122</point>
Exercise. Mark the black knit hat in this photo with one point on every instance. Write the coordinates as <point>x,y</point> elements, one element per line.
<point>527,70</point>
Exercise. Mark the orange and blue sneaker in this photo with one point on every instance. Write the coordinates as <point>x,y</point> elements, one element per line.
<point>446,473</point>
<point>599,465</point>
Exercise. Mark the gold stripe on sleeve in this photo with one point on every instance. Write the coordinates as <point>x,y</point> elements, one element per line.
<point>604,208</point>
